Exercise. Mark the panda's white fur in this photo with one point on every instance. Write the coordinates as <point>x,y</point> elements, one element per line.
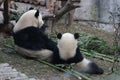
<point>67,46</point>
<point>83,65</point>
<point>43,54</point>
<point>28,19</point>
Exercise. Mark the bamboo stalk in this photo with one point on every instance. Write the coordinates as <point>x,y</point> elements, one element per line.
<point>97,56</point>
<point>102,54</point>
<point>110,57</point>
<point>73,72</point>
<point>51,65</point>
<point>85,77</point>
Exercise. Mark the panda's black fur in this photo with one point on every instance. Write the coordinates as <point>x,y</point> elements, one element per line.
<point>33,38</point>
<point>57,60</point>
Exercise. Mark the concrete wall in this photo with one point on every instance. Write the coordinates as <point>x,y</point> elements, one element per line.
<point>98,10</point>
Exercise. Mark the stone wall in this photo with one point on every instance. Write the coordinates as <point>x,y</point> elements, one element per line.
<point>98,10</point>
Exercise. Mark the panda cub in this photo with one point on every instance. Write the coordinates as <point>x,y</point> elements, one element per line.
<point>68,52</point>
<point>29,36</point>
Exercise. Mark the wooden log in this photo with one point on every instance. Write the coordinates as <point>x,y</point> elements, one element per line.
<point>68,7</point>
<point>10,10</point>
<point>6,12</point>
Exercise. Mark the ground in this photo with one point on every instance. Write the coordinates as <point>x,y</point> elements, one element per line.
<point>41,71</point>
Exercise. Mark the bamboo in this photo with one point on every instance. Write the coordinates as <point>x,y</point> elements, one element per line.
<point>98,55</point>
<point>85,77</point>
<point>73,72</point>
<point>51,65</point>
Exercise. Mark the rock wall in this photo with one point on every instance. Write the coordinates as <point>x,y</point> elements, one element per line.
<point>98,10</point>
<point>85,11</point>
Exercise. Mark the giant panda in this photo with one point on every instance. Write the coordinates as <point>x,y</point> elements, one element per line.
<point>67,52</point>
<point>30,38</point>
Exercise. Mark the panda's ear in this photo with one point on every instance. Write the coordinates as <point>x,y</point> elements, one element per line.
<point>31,8</point>
<point>59,35</point>
<point>37,14</point>
<point>76,35</point>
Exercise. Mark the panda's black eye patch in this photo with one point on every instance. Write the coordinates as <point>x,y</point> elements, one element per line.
<point>59,35</point>
<point>76,35</point>
<point>37,14</point>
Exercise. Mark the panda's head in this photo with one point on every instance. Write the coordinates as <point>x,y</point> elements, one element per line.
<point>29,18</point>
<point>67,44</point>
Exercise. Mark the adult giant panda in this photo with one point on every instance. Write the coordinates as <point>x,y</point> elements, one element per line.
<point>29,37</point>
<point>67,52</point>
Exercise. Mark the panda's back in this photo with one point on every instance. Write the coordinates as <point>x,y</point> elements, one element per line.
<point>30,38</point>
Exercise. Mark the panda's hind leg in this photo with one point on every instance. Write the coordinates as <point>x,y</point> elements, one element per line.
<point>43,54</point>
<point>93,68</point>
<point>89,67</point>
